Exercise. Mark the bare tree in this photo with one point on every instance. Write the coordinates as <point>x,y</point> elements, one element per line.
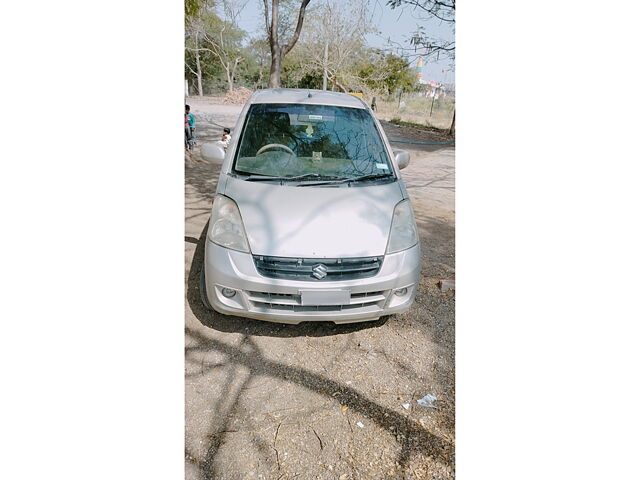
<point>193,19</point>
<point>342,29</point>
<point>220,45</point>
<point>193,33</point>
<point>280,49</point>
<point>442,10</point>
<point>220,36</point>
<point>333,43</point>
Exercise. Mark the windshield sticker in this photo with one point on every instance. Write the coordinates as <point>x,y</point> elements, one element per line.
<point>316,157</point>
<point>317,118</point>
<point>381,166</point>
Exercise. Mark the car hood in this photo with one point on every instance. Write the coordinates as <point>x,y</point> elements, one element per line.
<point>315,222</point>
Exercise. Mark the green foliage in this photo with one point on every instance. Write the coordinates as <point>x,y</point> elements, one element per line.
<point>215,27</point>
<point>254,70</point>
<point>362,69</point>
<point>310,80</point>
<point>209,64</point>
<point>192,8</point>
<point>389,71</point>
<point>219,43</point>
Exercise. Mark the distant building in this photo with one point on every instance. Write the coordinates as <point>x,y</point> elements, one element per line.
<point>435,90</point>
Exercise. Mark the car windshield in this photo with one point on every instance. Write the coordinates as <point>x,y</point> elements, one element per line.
<point>317,141</point>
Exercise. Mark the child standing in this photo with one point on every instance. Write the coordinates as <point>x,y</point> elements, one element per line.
<point>226,138</point>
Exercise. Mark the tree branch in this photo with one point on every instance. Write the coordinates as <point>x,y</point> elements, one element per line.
<point>287,48</point>
<point>441,10</point>
<point>266,17</point>
<point>273,30</point>
<point>189,67</point>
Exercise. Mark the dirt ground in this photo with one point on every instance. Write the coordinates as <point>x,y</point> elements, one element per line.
<point>316,400</point>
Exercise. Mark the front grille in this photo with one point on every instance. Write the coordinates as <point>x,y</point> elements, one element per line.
<point>302,268</point>
<point>293,303</point>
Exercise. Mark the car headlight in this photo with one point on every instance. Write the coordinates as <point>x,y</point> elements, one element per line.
<point>403,228</point>
<point>225,226</point>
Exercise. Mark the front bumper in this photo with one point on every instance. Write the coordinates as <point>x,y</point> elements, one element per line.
<point>279,300</point>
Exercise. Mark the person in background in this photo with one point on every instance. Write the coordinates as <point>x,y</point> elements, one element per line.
<point>189,122</point>
<point>226,138</point>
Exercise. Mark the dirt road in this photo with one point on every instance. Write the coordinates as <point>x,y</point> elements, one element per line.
<point>316,400</point>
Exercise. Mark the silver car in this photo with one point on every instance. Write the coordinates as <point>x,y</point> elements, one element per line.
<point>311,220</point>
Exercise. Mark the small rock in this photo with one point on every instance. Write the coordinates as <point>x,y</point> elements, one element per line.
<point>446,285</point>
<point>360,424</point>
<point>405,406</point>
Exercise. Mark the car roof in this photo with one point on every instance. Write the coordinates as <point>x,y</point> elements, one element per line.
<point>306,96</point>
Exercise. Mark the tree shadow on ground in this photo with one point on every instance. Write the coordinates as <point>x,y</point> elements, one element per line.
<point>411,436</point>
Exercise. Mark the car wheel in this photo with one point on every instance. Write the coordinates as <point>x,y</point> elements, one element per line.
<point>203,292</point>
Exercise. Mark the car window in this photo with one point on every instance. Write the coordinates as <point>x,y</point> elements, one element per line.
<point>294,139</point>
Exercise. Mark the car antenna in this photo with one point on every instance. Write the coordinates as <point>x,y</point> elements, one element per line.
<point>309,94</point>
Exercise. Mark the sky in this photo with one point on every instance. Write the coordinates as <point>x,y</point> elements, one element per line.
<point>395,24</point>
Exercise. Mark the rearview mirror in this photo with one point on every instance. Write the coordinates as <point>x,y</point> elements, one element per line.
<point>402,158</point>
<point>213,152</point>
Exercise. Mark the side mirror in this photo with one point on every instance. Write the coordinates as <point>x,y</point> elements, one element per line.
<point>213,152</point>
<point>402,158</point>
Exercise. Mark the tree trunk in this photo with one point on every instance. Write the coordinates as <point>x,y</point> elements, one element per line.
<point>324,64</point>
<point>278,52</point>
<point>233,71</point>
<point>229,79</point>
<point>452,128</point>
<point>276,66</point>
<point>198,69</point>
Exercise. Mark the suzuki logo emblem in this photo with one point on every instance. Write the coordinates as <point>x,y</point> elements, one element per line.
<point>319,271</point>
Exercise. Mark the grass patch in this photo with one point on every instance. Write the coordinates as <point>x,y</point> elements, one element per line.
<point>417,111</point>
<point>397,121</point>
<point>421,126</point>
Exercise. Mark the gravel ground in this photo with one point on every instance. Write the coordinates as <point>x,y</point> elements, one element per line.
<point>316,400</point>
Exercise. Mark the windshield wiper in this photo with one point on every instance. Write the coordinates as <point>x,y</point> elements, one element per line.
<point>314,176</point>
<point>323,179</point>
<point>258,178</point>
<point>373,176</point>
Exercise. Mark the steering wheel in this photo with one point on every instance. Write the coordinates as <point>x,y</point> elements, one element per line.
<point>274,145</point>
